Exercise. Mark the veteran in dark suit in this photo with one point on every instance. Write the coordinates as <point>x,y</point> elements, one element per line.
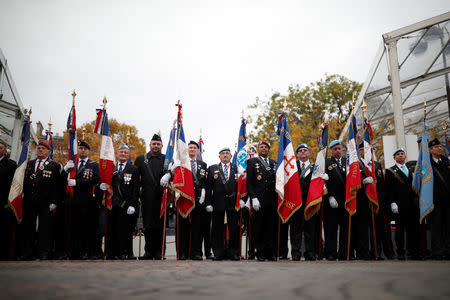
<point>334,209</point>
<point>220,200</point>
<point>41,198</point>
<point>404,205</point>
<point>125,185</point>
<point>151,171</point>
<point>200,218</point>
<point>83,210</point>
<point>264,200</point>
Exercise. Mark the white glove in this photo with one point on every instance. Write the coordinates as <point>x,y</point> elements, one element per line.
<point>209,208</point>
<point>256,205</point>
<point>247,204</point>
<point>241,203</point>
<point>202,197</point>
<point>324,176</point>
<point>394,208</point>
<point>165,180</point>
<point>52,206</point>
<point>175,165</point>
<point>70,165</point>
<point>333,202</point>
<point>367,180</point>
<point>72,182</point>
<point>103,186</point>
<point>130,210</point>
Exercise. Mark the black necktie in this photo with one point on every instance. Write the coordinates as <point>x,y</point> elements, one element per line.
<point>81,165</point>
<point>120,168</point>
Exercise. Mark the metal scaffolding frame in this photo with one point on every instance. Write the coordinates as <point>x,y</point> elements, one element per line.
<point>395,90</point>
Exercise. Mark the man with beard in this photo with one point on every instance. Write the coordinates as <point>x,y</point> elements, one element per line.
<point>151,171</point>
<point>263,197</point>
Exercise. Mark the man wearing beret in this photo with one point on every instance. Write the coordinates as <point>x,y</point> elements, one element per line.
<point>440,216</point>
<point>264,200</point>
<point>151,171</point>
<point>83,210</point>
<point>404,205</point>
<point>41,198</point>
<point>7,170</point>
<point>220,199</point>
<point>200,218</point>
<point>334,209</point>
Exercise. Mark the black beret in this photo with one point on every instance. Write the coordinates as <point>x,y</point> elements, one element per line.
<point>433,143</point>
<point>84,144</point>
<point>156,137</point>
<point>194,143</point>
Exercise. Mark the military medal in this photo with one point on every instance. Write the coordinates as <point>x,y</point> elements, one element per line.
<point>41,167</point>
<point>330,168</point>
<point>259,177</point>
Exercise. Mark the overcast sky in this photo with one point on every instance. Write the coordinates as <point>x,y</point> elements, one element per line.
<point>216,56</point>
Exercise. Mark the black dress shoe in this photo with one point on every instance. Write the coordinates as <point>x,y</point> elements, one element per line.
<point>309,257</point>
<point>216,258</point>
<point>197,257</point>
<point>209,256</point>
<point>401,257</point>
<point>283,257</point>
<point>331,257</point>
<point>296,257</point>
<point>44,257</point>
<point>146,256</point>
<point>123,257</point>
<point>182,257</point>
<point>261,258</point>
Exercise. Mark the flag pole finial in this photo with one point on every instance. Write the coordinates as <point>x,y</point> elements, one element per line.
<point>73,97</point>
<point>284,105</point>
<point>50,125</point>
<point>242,113</point>
<point>200,133</point>
<point>364,109</point>
<point>128,136</point>
<point>325,117</point>
<point>104,102</point>
<point>83,134</point>
<point>425,108</point>
<point>353,104</point>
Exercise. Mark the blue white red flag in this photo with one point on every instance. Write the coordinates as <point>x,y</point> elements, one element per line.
<point>49,138</point>
<point>200,149</point>
<point>423,180</point>
<point>316,186</point>
<point>241,162</point>
<point>183,182</point>
<point>353,178</point>
<point>15,197</point>
<point>107,159</point>
<point>369,167</point>
<point>287,180</point>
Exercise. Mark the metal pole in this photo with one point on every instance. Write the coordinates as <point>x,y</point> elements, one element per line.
<point>399,126</point>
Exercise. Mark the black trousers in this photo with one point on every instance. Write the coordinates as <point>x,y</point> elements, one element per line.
<point>265,227</point>
<point>79,229</point>
<point>334,217</point>
<point>440,229</point>
<point>7,222</point>
<point>118,223</point>
<point>309,229</point>
<point>360,228</point>
<point>407,222</point>
<point>59,228</point>
<point>218,230</point>
<point>36,241</point>
<point>201,231</point>
<point>284,230</point>
<point>184,237</point>
<point>383,235</point>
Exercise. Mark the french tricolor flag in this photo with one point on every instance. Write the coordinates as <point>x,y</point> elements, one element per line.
<point>241,160</point>
<point>107,160</point>
<point>316,186</point>
<point>369,166</point>
<point>73,142</point>
<point>15,197</point>
<point>183,183</point>
<point>287,181</point>
<point>353,180</point>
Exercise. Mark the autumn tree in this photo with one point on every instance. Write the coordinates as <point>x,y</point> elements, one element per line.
<point>305,111</point>
<point>118,132</point>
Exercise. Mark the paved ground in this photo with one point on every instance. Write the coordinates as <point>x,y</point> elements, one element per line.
<point>219,280</point>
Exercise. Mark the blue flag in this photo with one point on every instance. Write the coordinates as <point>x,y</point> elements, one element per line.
<point>169,150</point>
<point>447,147</point>
<point>200,149</point>
<point>423,178</point>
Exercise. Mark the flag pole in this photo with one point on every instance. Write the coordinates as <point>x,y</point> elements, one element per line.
<point>240,212</point>
<point>70,194</point>
<point>422,225</point>
<point>374,235</point>
<point>319,255</point>
<point>349,216</point>
<point>106,205</point>
<point>279,219</point>
<point>164,224</point>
